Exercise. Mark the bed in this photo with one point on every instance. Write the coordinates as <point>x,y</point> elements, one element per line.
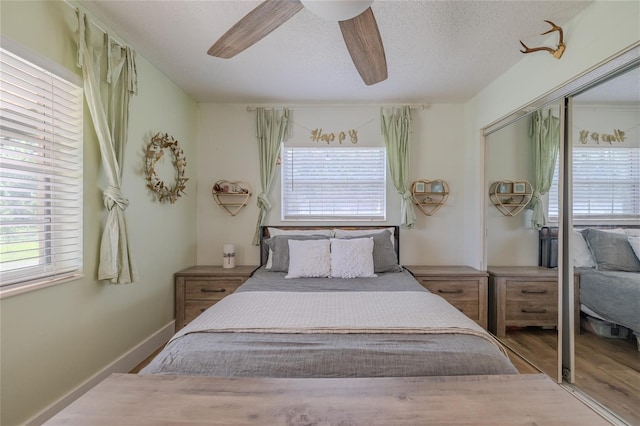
<point>282,323</point>
<point>609,267</point>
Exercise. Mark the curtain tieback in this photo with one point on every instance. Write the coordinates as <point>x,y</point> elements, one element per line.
<point>113,196</point>
<point>535,196</point>
<point>406,196</point>
<point>263,202</point>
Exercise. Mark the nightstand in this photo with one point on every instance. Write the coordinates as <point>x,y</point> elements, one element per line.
<point>462,286</point>
<point>523,296</point>
<point>199,287</point>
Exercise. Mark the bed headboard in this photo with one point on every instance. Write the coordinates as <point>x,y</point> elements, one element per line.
<point>548,243</point>
<point>264,234</point>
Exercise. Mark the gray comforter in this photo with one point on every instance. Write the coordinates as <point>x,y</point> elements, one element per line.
<point>614,295</point>
<point>326,354</point>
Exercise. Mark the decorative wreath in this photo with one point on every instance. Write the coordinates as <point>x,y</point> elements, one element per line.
<point>155,151</point>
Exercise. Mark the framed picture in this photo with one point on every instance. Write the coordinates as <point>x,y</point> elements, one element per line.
<point>519,187</point>
<point>437,187</point>
<point>419,187</point>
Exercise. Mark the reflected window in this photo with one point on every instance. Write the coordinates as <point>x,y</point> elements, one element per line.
<point>606,184</point>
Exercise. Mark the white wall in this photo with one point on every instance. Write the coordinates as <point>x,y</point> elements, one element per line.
<point>227,150</point>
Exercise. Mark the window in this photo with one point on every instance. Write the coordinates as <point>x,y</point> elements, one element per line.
<point>333,183</point>
<point>40,174</point>
<point>606,184</point>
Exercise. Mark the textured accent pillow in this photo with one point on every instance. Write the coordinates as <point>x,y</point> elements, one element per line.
<point>634,242</point>
<point>352,258</point>
<point>279,250</point>
<point>274,231</point>
<point>611,251</point>
<point>350,233</point>
<point>582,257</point>
<point>309,258</point>
<point>385,258</point>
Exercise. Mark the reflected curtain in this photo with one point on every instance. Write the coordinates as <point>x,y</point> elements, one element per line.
<point>272,128</point>
<point>110,116</point>
<point>545,139</point>
<point>396,129</point>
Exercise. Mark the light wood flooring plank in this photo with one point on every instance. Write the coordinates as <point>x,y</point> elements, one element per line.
<point>608,370</point>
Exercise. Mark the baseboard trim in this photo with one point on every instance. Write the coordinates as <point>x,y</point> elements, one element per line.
<point>124,364</point>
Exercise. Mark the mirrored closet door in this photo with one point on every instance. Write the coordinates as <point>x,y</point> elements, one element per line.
<point>520,160</point>
<point>605,188</point>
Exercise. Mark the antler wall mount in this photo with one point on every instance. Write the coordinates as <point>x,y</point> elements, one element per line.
<point>557,52</point>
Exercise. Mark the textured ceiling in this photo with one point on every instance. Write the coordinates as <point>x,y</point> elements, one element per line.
<point>437,51</point>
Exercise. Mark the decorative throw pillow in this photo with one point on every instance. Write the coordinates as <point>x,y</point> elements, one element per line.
<point>385,258</point>
<point>309,258</point>
<point>582,257</point>
<point>279,250</point>
<point>274,231</point>
<point>352,258</point>
<point>611,251</point>
<point>350,233</point>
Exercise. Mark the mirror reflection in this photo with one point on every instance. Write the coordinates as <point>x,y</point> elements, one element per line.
<point>606,242</point>
<point>520,160</point>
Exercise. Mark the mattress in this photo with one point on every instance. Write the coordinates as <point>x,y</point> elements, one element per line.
<point>385,326</point>
<point>613,295</point>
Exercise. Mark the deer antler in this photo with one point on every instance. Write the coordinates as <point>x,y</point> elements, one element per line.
<point>557,52</point>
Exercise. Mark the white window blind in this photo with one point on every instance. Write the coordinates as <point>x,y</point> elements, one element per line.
<point>333,183</point>
<point>40,173</point>
<point>606,184</point>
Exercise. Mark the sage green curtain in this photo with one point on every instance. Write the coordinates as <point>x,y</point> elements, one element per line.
<point>545,139</point>
<point>272,128</point>
<point>396,129</point>
<point>110,118</point>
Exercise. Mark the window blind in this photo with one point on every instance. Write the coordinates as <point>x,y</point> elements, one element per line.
<point>606,184</point>
<point>331,183</point>
<point>40,173</point>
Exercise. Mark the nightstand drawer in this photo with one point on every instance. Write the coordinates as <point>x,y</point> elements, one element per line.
<point>464,295</point>
<point>210,288</point>
<point>199,287</point>
<point>193,308</point>
<point>529,291</point>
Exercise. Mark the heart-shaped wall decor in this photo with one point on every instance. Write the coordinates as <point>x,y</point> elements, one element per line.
<point>429,195</point>
<point>510,197</point>
<point>231,195</point>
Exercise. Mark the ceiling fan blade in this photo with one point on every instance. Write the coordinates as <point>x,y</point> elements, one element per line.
<point>364,43</point>
<point>265,18</point>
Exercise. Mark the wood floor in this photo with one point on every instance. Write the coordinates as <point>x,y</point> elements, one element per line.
<point>608,370</point>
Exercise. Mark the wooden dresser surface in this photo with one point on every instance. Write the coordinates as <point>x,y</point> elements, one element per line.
<point>527,399</point>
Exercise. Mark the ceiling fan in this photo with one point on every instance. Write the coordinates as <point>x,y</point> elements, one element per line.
<point>355,18</point>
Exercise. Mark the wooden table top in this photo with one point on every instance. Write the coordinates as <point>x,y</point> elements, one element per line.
<point>451,270</point>
<point>527,399</point>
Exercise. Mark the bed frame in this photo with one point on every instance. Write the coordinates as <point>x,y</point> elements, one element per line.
<point>264,234</point>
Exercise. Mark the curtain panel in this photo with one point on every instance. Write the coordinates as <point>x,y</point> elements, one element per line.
<point>396,129</point>
<point>545,140</point>
<point>272,128</point>
<point>110,118</point>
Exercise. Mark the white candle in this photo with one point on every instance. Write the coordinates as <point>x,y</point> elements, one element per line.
<point>229,256</point>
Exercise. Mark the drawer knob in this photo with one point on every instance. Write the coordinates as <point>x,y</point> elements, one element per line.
<point>533,311</point>
<point>458,291</point>
<point>541,291</point>
<point>213,290</point>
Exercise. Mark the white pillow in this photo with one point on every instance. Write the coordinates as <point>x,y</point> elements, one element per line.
<point>309,258</point>
<point>277,231</point>
<point>582,256</point>
<point>343,233</point>
<point>352,258</point>
<point>634,242</point>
